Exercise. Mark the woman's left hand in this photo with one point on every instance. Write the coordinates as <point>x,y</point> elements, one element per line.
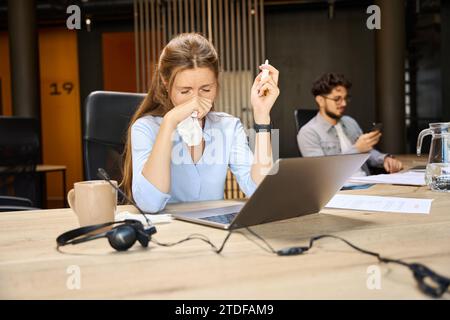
<point>264,93</point>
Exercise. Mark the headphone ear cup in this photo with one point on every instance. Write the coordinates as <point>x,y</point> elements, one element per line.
<point>143,237</point>
<point>122,238</point>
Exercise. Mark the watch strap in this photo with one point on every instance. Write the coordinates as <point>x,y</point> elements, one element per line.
<point>262,127</point>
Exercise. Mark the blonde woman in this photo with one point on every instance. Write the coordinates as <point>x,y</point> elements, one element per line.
<point>160,166</point>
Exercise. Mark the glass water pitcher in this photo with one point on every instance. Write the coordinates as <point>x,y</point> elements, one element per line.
<point>437,175</point>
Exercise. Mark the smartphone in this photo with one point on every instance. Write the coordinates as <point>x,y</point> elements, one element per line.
<point>377,126</point>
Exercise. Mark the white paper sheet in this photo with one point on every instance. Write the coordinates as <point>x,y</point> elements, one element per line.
<point>382,204</point>
<point>154,218</point>
<point>411,178</point>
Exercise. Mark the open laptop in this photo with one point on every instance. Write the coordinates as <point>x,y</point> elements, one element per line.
<point>299,187</point>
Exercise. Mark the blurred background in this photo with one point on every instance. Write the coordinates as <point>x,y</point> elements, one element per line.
<point>400,73</point>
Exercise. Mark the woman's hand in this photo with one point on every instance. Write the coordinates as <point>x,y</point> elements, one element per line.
<point>264,93</point>
<point>196,104</point>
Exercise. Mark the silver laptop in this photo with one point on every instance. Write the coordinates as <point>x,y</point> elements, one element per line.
<point>299,187</point>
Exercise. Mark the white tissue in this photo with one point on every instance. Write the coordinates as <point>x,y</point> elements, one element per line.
<point>190,130</point>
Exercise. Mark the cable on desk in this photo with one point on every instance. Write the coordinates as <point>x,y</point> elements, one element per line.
<point>195,236</point>
<point>429,282</point>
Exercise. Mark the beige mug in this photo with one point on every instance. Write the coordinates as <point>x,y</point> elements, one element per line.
<point>93,202</point>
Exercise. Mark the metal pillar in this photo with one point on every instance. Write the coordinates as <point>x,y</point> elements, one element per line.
<point>24,58</point>
<point>445,47</point>
<point>390,75</point>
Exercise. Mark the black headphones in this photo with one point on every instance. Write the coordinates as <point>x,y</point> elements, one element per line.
<point>121,237</point>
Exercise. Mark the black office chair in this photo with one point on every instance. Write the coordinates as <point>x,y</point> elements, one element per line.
<point>15,201</point>
<point>8,203</point>
<point>19,155</point>
<point>302,117</point>
<point>107,116</point>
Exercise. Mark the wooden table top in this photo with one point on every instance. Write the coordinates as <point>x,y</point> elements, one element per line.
<point>31,267</point>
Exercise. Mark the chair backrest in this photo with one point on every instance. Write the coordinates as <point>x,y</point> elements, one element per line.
<point>302,117</point>
<point>19,155</point>
<point>8,203</point>
<point>15,201</point>
<point>106,119</point>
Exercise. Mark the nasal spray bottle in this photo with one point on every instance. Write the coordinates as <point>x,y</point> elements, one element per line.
<point>265,74</point>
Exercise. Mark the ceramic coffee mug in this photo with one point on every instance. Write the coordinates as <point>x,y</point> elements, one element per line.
<point>93,202</point>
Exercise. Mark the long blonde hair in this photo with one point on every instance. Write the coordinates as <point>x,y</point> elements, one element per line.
<point>185,51</point>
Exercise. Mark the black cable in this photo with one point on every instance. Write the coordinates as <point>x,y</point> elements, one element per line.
<point>254,241</point>
<point>101,173</point>
<point>271,250</point>
<point>377,255</point>
<point>428,281</point>
<point>195,236</point>
<point>201,237</point>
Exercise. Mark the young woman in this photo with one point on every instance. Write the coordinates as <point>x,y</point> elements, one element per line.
<point>159,165</point>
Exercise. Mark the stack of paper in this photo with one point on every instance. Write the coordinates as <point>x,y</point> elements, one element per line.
<point>383,204</point>
<point>411,178</point>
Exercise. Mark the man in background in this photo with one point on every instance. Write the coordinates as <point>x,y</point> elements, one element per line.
<point>330,132</point>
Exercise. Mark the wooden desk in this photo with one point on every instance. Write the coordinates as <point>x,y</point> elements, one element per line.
<point>30,267</point>
<point>44,168</point>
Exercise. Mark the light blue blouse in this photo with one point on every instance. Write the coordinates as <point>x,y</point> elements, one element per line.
<point>226,145</point>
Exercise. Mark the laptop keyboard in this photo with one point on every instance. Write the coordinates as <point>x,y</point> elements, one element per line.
<point>223,218</point>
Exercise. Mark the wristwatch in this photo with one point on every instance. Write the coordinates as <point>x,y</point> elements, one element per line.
<point>262,127</point>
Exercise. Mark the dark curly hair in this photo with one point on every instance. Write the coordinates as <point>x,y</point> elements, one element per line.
<point>327,82</point>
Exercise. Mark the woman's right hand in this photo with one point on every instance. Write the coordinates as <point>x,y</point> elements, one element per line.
<point>185,110</point>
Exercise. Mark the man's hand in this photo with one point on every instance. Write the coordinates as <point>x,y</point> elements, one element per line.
<point>392,165</point>
<point>366,141</point>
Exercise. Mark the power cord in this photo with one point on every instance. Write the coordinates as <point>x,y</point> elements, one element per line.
<point>195,236</point>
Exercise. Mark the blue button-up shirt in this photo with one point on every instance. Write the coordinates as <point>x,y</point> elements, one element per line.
<point>226,145</point>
